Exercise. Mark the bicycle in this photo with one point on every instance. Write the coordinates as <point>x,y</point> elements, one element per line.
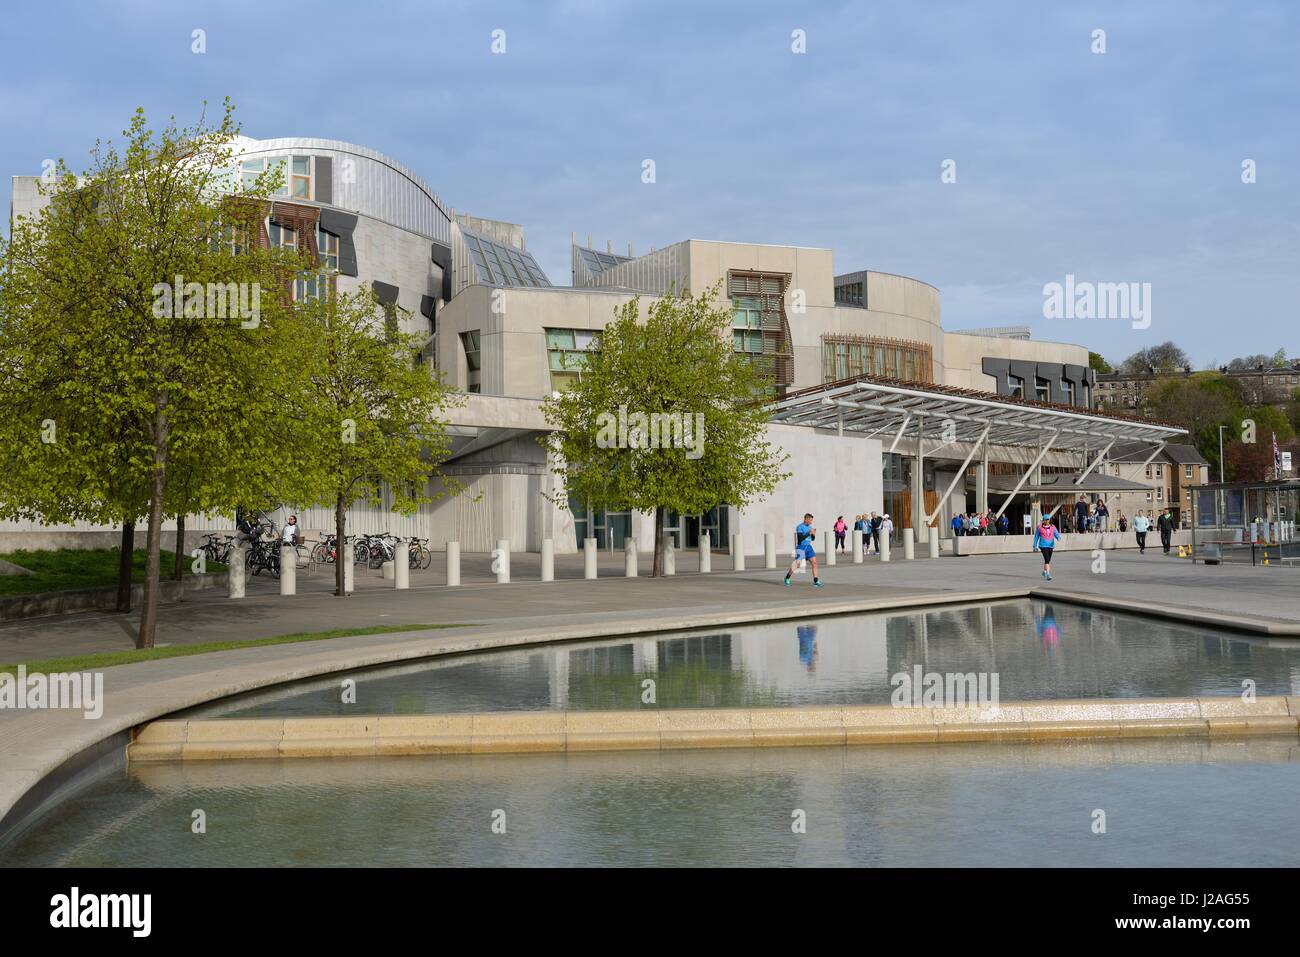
<point>263,554</point>
<point>217,551</point>
<point>421,555</point>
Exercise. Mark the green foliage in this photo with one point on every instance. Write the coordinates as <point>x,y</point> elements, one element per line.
<point>1097,363</point>
<point>366,412</point>
<point>62,569</point>
<point>678,365</point>
<point>120,400</point>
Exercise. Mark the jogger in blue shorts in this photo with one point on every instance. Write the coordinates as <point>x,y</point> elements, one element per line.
<point>804,534</point>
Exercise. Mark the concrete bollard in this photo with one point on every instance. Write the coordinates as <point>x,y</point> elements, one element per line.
<point>288,570</point>
<point>857,546</point>
<point>402,564</point>
<point>706,553</point>
<point>769,550</point>
<point>737,553</point>
<point>629,558</point>
<point>237,570</point>
<point>884,547</point>
<point>670,555</point>
<point>349,571</point>
<point>453,563</point>
<point>829,556</point>
<point>934,542</point>
<point>548,560</point>
<point>909,544</point>
<point>589,558</point>
<point>389,571</point>
<point>501,561</point>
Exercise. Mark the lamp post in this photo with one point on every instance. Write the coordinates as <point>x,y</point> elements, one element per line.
<point>1221,428</point>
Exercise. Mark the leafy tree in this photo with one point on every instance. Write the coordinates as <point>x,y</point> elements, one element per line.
<point>123,363</point>
<point>1097,363</point>
<point>1166,357</point>
<point>665,416</point>
<point>1250,363</point>
<point>367,413</point>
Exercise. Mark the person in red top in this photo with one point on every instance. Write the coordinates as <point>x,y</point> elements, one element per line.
<point>840,528</point>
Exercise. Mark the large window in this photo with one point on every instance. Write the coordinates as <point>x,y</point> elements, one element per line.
<point>294,174</point>
<point>473,360</point>
<point>1015,386</point>
<point>849,294</point>
<point>565,355</point>
<point>759,328</point>
<point>1042,389</point>
<point>311,285</point>
<point>847,357</point>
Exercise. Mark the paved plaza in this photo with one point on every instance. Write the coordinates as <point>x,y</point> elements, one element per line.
<point>1152,580</point>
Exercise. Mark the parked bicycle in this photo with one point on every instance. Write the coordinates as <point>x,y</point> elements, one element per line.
<point>263,553</point>
<point>217,548</point>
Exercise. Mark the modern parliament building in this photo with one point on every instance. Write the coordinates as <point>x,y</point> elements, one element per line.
<point>880,408</point>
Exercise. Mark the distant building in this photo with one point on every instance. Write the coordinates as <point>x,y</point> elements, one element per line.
<point>1259,386</point>
<point>1167,472</point>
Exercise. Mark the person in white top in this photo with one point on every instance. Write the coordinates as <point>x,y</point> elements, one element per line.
<point>290,534</point>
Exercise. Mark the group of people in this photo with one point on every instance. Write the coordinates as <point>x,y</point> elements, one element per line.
<point>872,526</point>
<point>981,523</point>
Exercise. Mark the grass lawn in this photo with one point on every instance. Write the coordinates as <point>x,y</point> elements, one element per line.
<point>110,658</point>
<point>74,568</point>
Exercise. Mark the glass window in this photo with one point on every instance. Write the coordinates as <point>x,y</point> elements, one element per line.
<point>283,237</point>
<point>300,181</point>
<point>566,357</point>
<point>1015,386</point>
<point>1187,471</point>
<point>1042,389</point>
<point>470,342</point>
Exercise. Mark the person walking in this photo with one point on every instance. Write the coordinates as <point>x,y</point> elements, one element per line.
<point>840,528</point>
<point>1141,525</point>
<point>958,526</point>
<point>1081,514</point>
<point>887,528</point>
<point>1045,540</point>
<point>874,526</point>
<point>1004,524</point>
<point>1165,525</point>
<point>1103,516</point>
<point>1122,521</point>
<point>805,534</point>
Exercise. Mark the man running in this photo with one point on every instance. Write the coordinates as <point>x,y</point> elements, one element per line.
<point>1045,539</point>
<point>804,534</point>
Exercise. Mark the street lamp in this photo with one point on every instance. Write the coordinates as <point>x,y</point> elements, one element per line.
<point>1221,428</point>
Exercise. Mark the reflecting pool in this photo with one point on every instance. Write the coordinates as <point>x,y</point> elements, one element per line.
<point>1039,650</point>
<point>937,805</point>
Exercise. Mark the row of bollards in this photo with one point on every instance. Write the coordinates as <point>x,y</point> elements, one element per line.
<point>398,570</point>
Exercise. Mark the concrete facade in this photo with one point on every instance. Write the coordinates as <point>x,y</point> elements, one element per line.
<point>470,286</point>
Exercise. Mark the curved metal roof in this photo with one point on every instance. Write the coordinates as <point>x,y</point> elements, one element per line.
<point>382,187</point>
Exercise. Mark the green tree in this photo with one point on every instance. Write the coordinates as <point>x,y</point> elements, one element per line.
<point>1097,363</point>
<point>665,416</point>
<point>134,342</point>
<point>366,411</point>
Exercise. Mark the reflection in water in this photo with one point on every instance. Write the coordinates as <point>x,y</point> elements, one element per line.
<point>899,805</point>
<point>807,646</point>
<point>1039,651</point>
<point>1048,633</point>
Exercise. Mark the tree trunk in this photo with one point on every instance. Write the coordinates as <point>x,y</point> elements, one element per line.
<point>153,560</point>
<point>658,568</point>
<point>152,564</point>
<point>126,551</point>
<point>341,552</point>
<point>180,548</point>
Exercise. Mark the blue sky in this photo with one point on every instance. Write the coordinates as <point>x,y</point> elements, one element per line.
<point>1119,167</point>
